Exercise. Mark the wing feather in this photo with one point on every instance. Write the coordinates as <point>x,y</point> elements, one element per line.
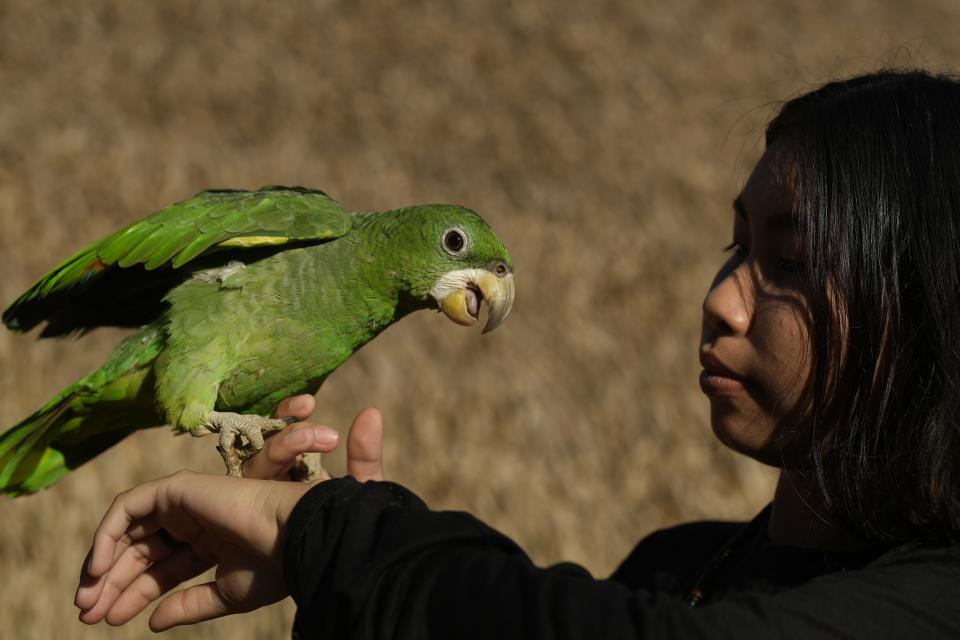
<point>173,237</point>
<point>177,238</point>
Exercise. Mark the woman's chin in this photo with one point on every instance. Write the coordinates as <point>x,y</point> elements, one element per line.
<point>751,437</point>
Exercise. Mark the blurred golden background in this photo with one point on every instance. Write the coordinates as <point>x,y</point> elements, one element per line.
<point>604,141</point>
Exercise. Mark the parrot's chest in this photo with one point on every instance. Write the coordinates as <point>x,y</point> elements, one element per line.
<point>269,330</point>
<point>266,367</point>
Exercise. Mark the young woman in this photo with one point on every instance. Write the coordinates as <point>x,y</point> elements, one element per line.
<point>830,350</point>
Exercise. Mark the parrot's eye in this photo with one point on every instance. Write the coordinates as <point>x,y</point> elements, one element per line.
<point>453,241</point>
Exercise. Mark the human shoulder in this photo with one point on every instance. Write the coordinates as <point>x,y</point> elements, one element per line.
<point>909,591</point>
<point>666,559</point>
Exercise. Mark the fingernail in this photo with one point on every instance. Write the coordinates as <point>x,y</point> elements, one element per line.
<point>299,438</point>
<point>326,436</point>
<point>298,403</point>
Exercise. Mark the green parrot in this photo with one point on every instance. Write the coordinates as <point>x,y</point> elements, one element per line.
<point>242,298</point>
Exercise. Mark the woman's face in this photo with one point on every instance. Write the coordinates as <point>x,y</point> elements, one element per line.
<point>754,344</point>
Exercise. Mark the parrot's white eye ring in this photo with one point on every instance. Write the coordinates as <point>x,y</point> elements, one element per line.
<point>454,241</point>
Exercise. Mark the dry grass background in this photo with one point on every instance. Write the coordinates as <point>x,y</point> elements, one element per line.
<point>602,140</point>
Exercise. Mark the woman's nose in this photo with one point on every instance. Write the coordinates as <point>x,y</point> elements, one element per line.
<point>728,306</point>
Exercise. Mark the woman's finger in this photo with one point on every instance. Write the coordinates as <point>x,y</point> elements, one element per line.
<point>281,450</point>
<point>365,446</point>
<point>97,598</point>
<point>129,506</point>
<point>141,528</point>
<point>186,606</point>
<point>160,578</point>
<point>138,529</point>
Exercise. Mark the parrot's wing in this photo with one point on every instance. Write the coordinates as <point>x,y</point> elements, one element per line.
<point>165,241</point>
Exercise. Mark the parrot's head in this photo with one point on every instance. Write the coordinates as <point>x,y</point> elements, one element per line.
<point>458,262</point>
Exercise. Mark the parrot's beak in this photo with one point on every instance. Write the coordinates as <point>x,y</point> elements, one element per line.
<point>461,292</point>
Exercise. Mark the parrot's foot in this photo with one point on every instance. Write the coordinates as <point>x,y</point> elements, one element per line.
<point>234,428</point>
<point>308,467</point>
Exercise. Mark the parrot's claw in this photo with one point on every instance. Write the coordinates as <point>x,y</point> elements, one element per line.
<point>241,436</point>
<point>307,467</point>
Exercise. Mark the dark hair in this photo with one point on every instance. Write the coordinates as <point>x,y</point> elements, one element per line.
<point>875,165</point>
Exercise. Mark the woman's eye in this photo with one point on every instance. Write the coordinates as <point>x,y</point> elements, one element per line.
<point>454,241</point>
<point>784,264</point>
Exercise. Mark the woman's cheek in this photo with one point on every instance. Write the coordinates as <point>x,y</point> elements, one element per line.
<point>783,351</point>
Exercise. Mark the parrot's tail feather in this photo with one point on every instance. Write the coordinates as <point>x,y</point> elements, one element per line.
<point>84,419</point>
<point>60,437</point>
<point>24,454</point>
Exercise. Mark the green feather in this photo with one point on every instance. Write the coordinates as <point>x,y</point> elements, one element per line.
<point>84,419</point>
<point>176,239</point>
<point>146,245</point>
<point>185,231</point>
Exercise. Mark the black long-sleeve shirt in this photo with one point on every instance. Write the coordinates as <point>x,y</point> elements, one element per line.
<point>371,561</point>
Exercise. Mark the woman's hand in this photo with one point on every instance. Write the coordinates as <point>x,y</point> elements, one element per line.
<point>164,532</point>
<point>280,451</point>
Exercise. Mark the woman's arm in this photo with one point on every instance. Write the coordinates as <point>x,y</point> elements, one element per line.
<point>368,560</point>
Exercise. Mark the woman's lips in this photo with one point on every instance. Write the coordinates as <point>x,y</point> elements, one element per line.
<point>717,384</point>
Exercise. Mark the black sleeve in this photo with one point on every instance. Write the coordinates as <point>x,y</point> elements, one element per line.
<point>371,561</point>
